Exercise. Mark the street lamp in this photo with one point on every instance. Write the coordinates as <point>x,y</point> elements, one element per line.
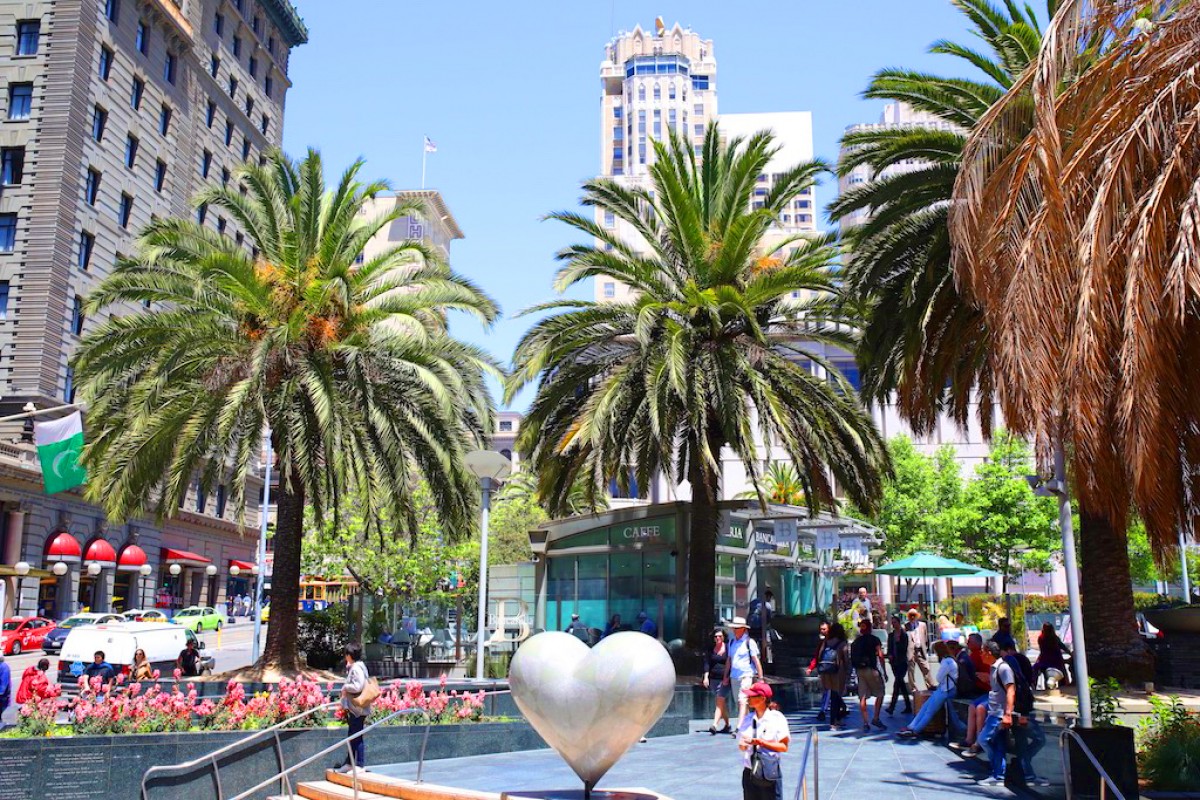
<point>235,570</point>
<point>93,569</point>
<point>491,468</point>
<point>60,568</point>
<point>210,570</point>
<point>144,570</point>
<point>22,569</point>
<point>175,569</point>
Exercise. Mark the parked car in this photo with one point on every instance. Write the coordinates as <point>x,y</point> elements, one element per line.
<point>22,634</point>
<point>199,619</point>
<point>162,644</point>
<point>265,614</point>
<point>145,615</point>
<point>54,639</point>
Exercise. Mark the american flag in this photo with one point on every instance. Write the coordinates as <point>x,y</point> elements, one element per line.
<point>430,146</point>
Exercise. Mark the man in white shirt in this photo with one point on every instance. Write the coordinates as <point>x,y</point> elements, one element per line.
<point>742,665</point>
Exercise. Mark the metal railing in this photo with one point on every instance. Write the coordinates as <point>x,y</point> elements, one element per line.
<point>1106,780</point>
<point>810,745</point>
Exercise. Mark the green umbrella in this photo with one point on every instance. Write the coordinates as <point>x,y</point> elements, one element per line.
<point>927,565</point>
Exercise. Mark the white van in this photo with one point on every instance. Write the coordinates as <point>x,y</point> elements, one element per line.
<point>119,641</point>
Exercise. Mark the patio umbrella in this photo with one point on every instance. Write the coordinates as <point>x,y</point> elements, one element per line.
<point>927,565</point>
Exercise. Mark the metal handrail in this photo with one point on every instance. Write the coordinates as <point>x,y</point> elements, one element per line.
<point>214,756</point>
<point>1105,778</point>
<point>810,743</point>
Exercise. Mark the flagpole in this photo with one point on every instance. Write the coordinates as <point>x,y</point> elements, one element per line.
<point>424,155</point>
<point>40,411</point>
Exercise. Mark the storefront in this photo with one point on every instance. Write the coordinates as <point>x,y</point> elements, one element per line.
<point>634,560</point>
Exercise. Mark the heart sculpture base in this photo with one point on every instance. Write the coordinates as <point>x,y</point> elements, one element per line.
<point>578,794</point>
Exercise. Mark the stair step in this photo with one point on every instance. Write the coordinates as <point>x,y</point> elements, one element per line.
<point>328,790</point>
<point>402,789</point>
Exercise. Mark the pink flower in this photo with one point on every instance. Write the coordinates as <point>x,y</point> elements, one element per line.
<point>178,673</point>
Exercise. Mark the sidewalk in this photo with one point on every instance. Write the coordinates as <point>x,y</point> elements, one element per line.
<point>852,764</point>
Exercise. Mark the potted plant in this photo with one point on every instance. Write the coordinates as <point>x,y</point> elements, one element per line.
<point>1174,619</point>
<point>1169,750</point>
<point>1112,744</point>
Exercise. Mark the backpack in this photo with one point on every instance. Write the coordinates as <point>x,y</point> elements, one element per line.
<point>863,656</point>
<point>1023,701</point>
<point>828,663</point>
<point>965,687</point>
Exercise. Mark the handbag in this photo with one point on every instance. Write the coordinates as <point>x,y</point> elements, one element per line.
<point>763,774</point>
<point>362,701</point>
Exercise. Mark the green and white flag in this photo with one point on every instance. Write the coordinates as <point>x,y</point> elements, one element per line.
<point>60,446</point>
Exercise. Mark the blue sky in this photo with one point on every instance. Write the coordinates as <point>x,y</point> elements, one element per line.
<point>510,93</point>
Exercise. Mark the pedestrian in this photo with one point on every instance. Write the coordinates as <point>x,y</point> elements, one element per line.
<point>1003,636</point>
<point>974,684</point>
<point>760,613</point>
<point>862,605</point>
<point>866,655</point>
<point>742,666</point>
<point>1001,699</point>
<point>578,629</point>
<point>822,635</point>
<point>5,689</point>
<point>918,642</point>
<point>764,736</point>
<point>947,688</point>
<point>647,625</point>
<point>188,662</point>
<point>714,680</point>
<point>833,667</point>
<point>101,670</point>
<point>897,654</point>
<point>1051,653</point>
<point>33,682</point>
<point>358,692</point>
<point>613,626</point>
<point>141,667</point>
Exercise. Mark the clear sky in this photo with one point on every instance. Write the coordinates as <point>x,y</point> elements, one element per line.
<point>510,93</point>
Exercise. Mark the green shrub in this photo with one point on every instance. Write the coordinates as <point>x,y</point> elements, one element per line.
<point>1050,604</point>
<point>1145,600</point>
<point>1169,746</point>
<point>1105,702</point>
<point>321,635</point>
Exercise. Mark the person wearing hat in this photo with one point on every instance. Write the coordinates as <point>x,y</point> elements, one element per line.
<point>947,688</point>
<point>743,664</point>
<point>918,644</point>
<point>578,629</point>
<point>763,736</point>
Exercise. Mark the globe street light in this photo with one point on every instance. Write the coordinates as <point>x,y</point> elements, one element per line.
<point>491,468</point>
<point>22,569</point>
<point>235,570</point>
<point>93,569</point>
<point>175,569</point>
<point>144,570</point>
<point>60,568</point>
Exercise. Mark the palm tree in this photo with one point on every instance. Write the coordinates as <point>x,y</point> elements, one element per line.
<point>1074,226</point>
<point>780,484</point>
<point>579,500</point>
<point>349,366</point>
<point>704,354</point>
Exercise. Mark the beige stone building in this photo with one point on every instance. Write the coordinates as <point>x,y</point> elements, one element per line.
<point>115,112</point>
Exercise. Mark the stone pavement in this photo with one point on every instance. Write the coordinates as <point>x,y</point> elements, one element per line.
<point>703,767</point>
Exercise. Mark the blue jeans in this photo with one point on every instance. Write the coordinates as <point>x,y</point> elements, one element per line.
<point>933,705</point>
<point>359,746</point>
<point>994,742</point>
<point>825,702</point>
<point>1030,739</point>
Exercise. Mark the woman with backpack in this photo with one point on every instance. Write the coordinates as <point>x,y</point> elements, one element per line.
<point>897,656</point>
<point>833,667</point>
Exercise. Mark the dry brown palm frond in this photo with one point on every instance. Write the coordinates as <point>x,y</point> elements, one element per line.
<point>1080,240</point>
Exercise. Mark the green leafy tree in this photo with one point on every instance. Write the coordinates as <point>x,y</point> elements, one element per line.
<point>703,355</point>
<point>349,366</point>
<point>515,512</point>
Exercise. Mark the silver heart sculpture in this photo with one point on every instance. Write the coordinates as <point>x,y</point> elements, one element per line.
<point>591,705</point>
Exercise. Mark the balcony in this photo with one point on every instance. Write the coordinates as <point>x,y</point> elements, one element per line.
<point>173,11</point>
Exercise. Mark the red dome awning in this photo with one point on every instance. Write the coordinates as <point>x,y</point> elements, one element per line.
<point>132,558</point>
<point>184,558</point>
<point>101,551</point>
<point>244,566</point>
<point>64,547</point>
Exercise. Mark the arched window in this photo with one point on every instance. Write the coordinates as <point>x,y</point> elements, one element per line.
<point>657,92</point>
<point>507,454</point>
<point>642,93</point>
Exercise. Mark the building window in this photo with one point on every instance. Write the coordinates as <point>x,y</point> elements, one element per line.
<point>210,114</point>
<point>804,217</point>
<point>164,119</point>
<point>214,66</point>
<point>671,92</point>
<point>221,500</point>
<point>220,225</point>
<point>257,26</point>
<point>87,243</point>
<point>699,83</point>
<point>99,121</point>
<point>205,163</point>
<point>69,385</point>
<point>224,177</point>
<point>160,175</point>
<point>268,86</point>
<point>106,62</point>
<point>77,316</point>
<point>657,92</point>
<point>201,498</point>
<point>237,47</point>
<point>245,149</point>
<point>8,232</point>
<point>135,96</point>
<point>131,150</point>
<point>228,132</point>
<point>361,258</point>
<point>20,100</point>
<point>241,7</point>
<point>699,109</point>
<point>201,213</point>
<point>610,289</point>
<point>169,69</point>
<point>3,300</point>
<point>253,67</point>
<point>233,87</point>
<point>28,33</point>
<point>249,105</point>
<point>126,210</point>
<point>111,9</point>
<point>91,189</point>
<point>239,238</point>
<point>12,165</point>
<point>219,24</point>
<point>610,219</point>
<point>266,123</point>
<point>271,45</point>
<point>506,426</point>
<point>143,38</point>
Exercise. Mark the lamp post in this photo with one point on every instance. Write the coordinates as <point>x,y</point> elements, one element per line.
<point>22,569</point>
<point>491,468</point>
<point>144,571</point>
<point>261,557</point>
<point>1187,584</point>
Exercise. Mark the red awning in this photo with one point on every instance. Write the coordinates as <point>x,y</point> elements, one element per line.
<point>184,557</point>
<point>64,547</point>
<point>101,551</point>
<point>244,566</point>
<point>132,557</point>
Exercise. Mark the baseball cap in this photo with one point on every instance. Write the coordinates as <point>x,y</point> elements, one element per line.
<point>760,689</point>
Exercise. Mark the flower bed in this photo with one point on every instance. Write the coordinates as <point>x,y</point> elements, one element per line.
<point>150,708</point>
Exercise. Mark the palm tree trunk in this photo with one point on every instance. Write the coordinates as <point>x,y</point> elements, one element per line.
<point>702,552</point>
<point>1114,646</point>
<point>280,650</point>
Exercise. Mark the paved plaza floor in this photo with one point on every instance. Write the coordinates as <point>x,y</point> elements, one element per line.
<point>699,766</point>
